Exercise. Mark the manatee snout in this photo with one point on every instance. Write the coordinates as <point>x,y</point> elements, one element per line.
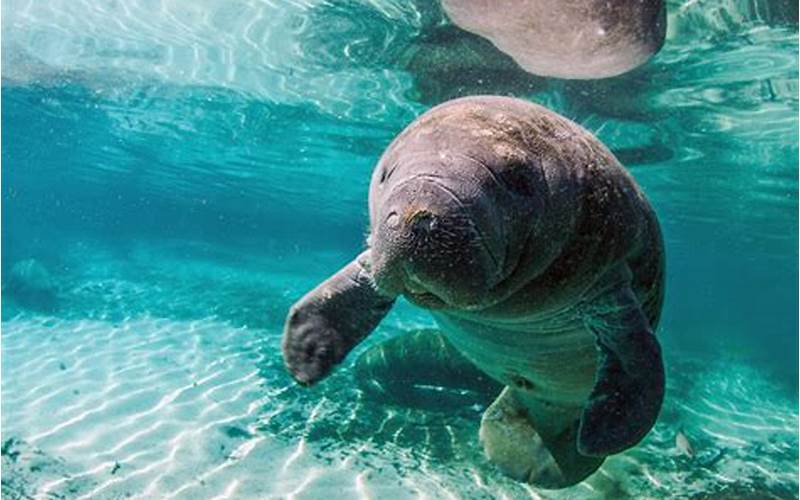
<point>428,245</point>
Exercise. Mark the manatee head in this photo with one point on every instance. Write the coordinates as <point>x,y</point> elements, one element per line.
<point>444,229</point>
<point>461,212</point>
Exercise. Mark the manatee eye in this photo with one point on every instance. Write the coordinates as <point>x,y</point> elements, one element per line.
<point>387,172</point>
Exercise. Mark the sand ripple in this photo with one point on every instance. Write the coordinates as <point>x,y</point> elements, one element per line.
<point>161,408</point>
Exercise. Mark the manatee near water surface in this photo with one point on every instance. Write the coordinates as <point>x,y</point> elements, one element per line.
<point>577,39</point>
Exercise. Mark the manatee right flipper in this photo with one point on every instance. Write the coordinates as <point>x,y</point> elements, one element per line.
<point>331,319</point>
<point>629,385</point>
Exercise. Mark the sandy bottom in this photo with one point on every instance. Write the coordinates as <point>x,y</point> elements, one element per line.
<point>158,375</point>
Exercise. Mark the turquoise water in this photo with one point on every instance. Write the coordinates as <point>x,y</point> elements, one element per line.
<point>175,175</point>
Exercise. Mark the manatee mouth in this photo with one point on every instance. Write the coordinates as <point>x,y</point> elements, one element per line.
<point>421,296</point>
<point>400,279</point>
<point>427,300</point>
<point>415,291</point>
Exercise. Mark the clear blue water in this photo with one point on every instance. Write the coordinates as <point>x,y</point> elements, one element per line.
<point>176,174</point>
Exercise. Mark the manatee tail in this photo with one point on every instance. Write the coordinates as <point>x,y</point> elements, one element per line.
<point>535,441</point>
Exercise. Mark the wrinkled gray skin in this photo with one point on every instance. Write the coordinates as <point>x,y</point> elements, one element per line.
<point>540,259</point>
<point>567,38</point>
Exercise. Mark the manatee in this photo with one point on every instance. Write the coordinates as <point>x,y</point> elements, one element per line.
<point>576,39</point>
<point>540,259</point>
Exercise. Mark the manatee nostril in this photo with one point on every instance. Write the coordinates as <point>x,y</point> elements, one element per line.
<point>423,221</point>
<point>393,220</point>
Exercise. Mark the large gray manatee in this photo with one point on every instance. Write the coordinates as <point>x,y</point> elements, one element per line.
<point>567,38</point>
<point>540,259</point>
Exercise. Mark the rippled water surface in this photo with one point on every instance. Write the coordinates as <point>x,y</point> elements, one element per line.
<point>176,174</point>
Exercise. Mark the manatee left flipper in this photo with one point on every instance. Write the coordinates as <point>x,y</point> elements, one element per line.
<point>629,385</point>
<point>323,326</point>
